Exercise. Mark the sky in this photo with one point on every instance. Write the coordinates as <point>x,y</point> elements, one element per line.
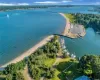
<point>49,2</point>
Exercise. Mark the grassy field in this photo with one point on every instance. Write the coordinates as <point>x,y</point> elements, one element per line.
<point>69,69</point>
<point>63,69</point>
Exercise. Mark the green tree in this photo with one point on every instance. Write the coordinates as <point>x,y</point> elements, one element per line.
<point>96,66</point>
<point>12,68</point>
<point>18,76</point>
<point>90,65</point>
<point>35,72</point>
<point>50,73</point>
<point>9,77</point>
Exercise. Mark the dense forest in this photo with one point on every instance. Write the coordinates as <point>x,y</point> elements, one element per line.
<point>90,65</point>
<point>13,71</point>
<point>88,20</point>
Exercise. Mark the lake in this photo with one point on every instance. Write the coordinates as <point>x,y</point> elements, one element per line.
<point>22,29</point>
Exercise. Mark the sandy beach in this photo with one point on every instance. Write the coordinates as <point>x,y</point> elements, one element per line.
<point>67,31</point>
<point>30,51</point>
<point>67,27</point>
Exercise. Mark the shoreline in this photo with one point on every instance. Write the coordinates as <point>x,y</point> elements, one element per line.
<point>30,51</point>
<point>67,31</point>
<point>42,43</point>
<point>67,26</point>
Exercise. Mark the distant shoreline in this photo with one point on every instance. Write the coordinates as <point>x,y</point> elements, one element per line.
<point>30,51</point>
<point>67,29</point>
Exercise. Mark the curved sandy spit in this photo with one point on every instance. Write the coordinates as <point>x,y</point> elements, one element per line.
<point>30,51</point>
<point>67,28</point>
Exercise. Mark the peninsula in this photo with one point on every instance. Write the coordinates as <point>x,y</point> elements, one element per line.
<point>72,29</point>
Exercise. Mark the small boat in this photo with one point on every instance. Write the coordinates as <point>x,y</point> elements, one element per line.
<point>73,56</point>
<point>7,16</point>
<point>98,32</point>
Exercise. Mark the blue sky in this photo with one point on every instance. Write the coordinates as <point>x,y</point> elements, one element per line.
<point>27,2</point>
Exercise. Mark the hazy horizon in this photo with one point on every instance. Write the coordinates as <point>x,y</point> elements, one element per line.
<point>49,2</point>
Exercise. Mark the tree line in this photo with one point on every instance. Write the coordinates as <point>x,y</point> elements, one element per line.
<point>36,61</point>
<point>88,20</point>
<point>90,65</point>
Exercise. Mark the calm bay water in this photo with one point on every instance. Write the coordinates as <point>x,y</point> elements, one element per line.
<point>89,44</point>
<point>24,28</point>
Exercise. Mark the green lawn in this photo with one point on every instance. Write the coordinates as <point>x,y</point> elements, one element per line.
<point>62,65</point>
<point>69,69</point>
<point>49,62</point>
<point>72,72</point>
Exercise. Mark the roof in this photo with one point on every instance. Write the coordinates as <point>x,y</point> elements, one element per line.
<point>83,78</point>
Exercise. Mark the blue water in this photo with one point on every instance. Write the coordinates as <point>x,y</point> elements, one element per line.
<point>25,28</point>
<point>89,44</point>
<point>77,9</point>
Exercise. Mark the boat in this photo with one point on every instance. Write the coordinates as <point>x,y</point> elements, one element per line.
<point>73,56</point>
<point>97,32</point>
<point>7,16</point>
